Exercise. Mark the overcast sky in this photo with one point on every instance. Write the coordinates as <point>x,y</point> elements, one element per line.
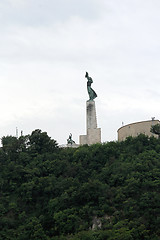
<point>46,46</point>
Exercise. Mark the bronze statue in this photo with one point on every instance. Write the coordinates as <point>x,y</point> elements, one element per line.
<point>92,94</point>
<point>69,140</point>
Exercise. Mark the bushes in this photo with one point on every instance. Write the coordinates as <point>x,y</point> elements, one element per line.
<point>53,194</point>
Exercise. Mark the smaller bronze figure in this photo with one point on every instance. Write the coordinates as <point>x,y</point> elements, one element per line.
<point>70,140</point>
<point>92,94</point>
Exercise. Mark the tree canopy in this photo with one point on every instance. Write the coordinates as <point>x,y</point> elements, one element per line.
<point>156,129</point>
<point>53,193</point>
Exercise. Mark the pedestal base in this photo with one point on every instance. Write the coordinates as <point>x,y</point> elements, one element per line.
<point>93,136</point>
<point>83,139</point>
<point>73,145</point>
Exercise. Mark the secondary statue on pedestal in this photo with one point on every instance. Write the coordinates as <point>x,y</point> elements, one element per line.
<point>92,94</point>
<point>70,140</point>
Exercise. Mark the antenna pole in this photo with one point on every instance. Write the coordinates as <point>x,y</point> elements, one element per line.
<point>16,132</point>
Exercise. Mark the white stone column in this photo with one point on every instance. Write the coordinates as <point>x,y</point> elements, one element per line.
<point>91,115</point>
<point>93,134</point>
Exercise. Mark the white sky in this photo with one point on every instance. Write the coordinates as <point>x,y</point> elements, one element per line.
<point>46,46</point>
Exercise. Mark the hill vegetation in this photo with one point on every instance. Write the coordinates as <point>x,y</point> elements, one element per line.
<point>107,191</point>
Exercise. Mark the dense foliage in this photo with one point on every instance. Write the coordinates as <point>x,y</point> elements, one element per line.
<point>50,193</point>
<point>156,129</point>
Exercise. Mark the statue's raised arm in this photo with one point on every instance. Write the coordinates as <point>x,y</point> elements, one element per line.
<point>92,94</point>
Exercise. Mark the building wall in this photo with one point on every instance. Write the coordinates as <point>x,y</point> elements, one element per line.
<point>134,129</point>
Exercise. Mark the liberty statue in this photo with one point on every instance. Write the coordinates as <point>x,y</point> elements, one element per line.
<point>92,94</point>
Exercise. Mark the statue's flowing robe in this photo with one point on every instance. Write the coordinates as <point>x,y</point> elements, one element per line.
<point>91,92</point>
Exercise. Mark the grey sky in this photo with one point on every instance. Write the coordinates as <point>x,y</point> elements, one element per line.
<point>45,48</point>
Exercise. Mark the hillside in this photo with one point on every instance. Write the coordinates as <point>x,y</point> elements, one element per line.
<point>48,193</point>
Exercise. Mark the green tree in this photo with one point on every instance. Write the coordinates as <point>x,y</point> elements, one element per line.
<point>10,146</point>
<point>40,142</point>
<point>156,129</point>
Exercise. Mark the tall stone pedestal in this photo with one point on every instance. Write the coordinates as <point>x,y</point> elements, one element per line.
<point>93,134</point>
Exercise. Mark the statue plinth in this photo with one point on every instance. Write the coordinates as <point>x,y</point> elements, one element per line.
<point>93,134</point>
<point>73,145</point>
